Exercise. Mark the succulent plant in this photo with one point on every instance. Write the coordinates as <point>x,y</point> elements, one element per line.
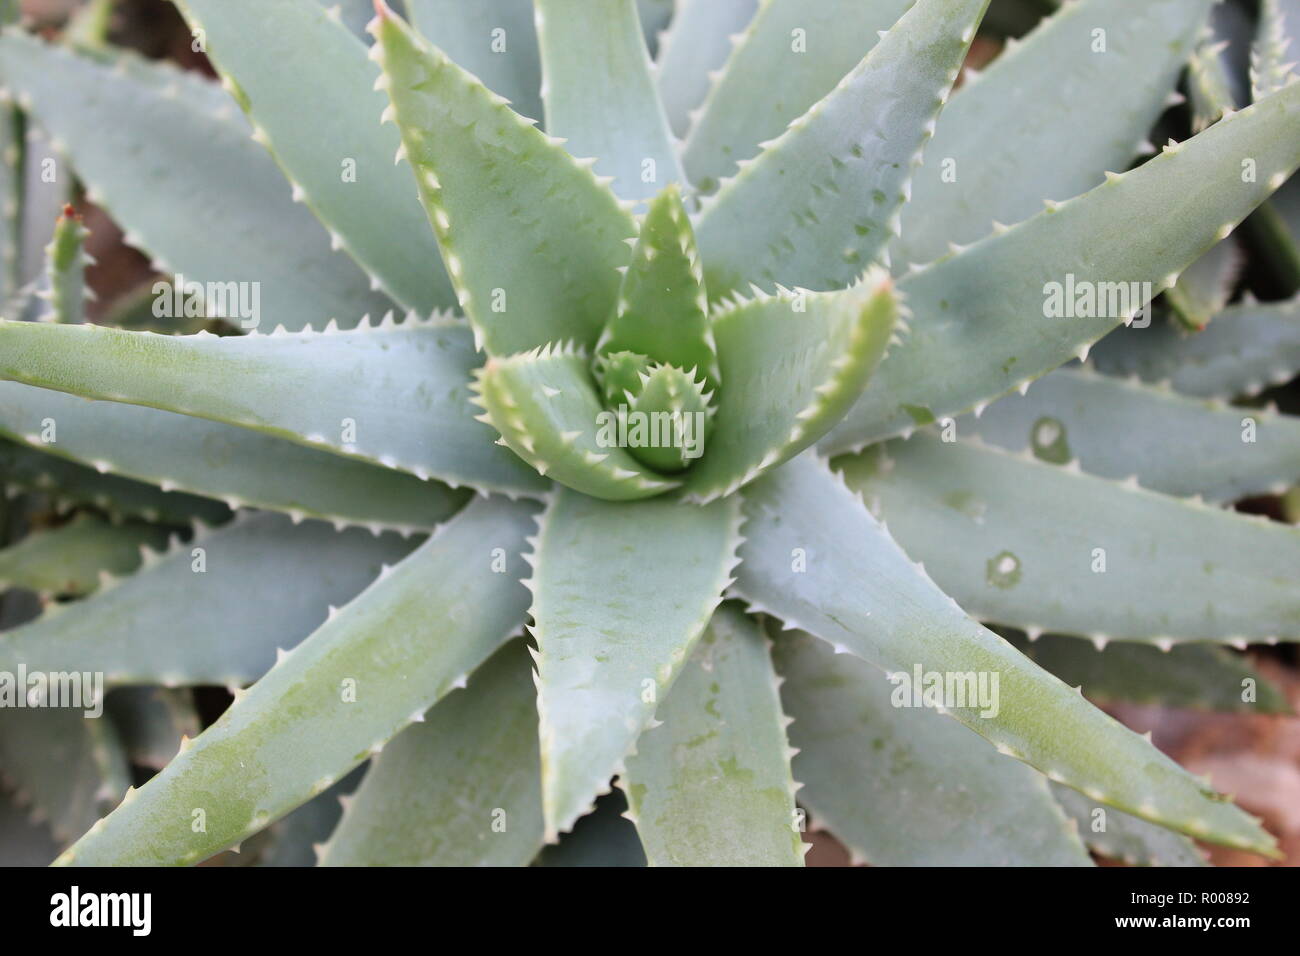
<point>729,389</point>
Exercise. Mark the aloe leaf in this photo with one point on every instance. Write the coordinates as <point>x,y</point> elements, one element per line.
<point>903,787</point>
<point>323,130</point>
<point>395,395</point>
<point>1247,349</point>
<point>22,841</point>
<point>13,169</point>
<point>146,145</point>
<point>792,364</point>
<point>791,55</point>
<point>711,785</point>
<point>1034,546</point>
<point>69,484</point>
<point>460,789</point>
<point>353,14</point>
<point>604,103</point>
<point>1196,676</point>
<point>604,837</point>
<point>816,558</point>
<point>69,766</point>
<point>295,839</point>
<point>546,408</point>
<point>1120,429</point>
<point>335,699</point>
<point>496,40</point>
<point>152,722</point>
<point>698,40</point>
<point>1119,836</point>
<point>1210,83</point>
<point>981,325</point>
<point>68,560</point>
<point>227,591</point>
<point>1203,291</point>
<point>670,391</point>
<point>621,594</point>
<point>66,262</point>
<point>530,237</point>
<point>1277,47</point>
<point>236,465</point>
<point>1109,67</point>
<point>662,309</point>
<point>822,201</point>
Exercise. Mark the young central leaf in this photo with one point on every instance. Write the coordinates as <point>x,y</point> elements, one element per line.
<point>662,309</point>
<point>668,420</point>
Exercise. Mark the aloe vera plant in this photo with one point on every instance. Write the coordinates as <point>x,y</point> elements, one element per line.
<point>708,391</point>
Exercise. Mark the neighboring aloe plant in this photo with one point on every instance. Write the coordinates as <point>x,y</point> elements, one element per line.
<point>753,290</point>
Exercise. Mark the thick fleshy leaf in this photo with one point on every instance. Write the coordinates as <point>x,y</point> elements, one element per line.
<point>792,364</point>
<point>323,129</point>
<point>1247,349</point>
<point>816,558</point>
<point>69,484</point>
<point>153,722</point>
<point>531,239</point>
<point>663,311</point>
<point>69,766</point>
<point>393,395</point>
<point>496,40</point>
<point>672,392</point>
<point>901,786</point>
<point>1277,47</point>
<point>237,465</point>
<point>711,785</point>
<point>339,696</point>
<point>1117,429</point>
<point>603,102</point>
<point>68,560</point>
<point>65,270</point>
<point>546,408</point>
<point>981,323</point>
<point>1096,74</point>
<point>621,593</point>
<point>13,165</point>
<point>1195,676</point>
<point>1203,291</point>
<point>1119,836</point>
<point>264,584</point>
<point>295,839</point>
<point>697,41</point>
<point>146,141</point>
<point>1027,544</point>
<point>791,55</point>
<point>822,201</point>
<point>460,789</point>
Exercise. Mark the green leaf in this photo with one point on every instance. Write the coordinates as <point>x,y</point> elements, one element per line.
<point>392,395</point>
<point>1194,676</point>
<point>822,201</point>
<point>996,155</point>
<point>322,127</point>
<point>1247,349</point>
<point>1277,46</point>
<point>621,593</point>
<point>1210,84</point>
<point>152,721</point>
<point>1034,546</point>
<point>1203,291</point>
<point>1172,444</point>
<point>69,484</point>
<point>546,408</point>
<point>69,766</point>
<point>69,560</point>
<point>662,309</point>
<point>531,239</point>
<point>460,789</point>
<point>507,62</point>
<point>903,787</point>
<point>858,591</point>
<point>239,466</point>
<point>981,326</point>
<point>711,785</point>
<point>1119,836</point>
<point>792,365</point>
<point>791,55</point>
<point>13,170</point>
<point>66,262</point>
<point>335,699</point>
<point>265,584</point>
<point>603,102</point>
<point>698,40</point>
<point>153,153</point>
<point>296,839</point>
<point>670,391</point>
